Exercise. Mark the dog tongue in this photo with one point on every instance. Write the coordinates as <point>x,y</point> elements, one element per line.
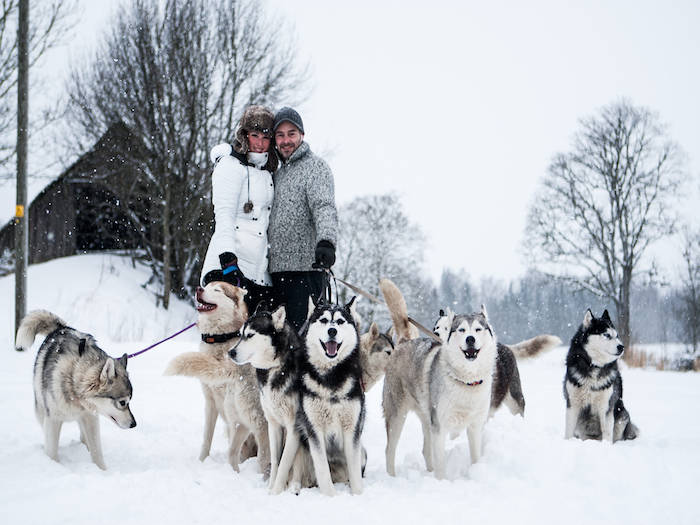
<point>331,348</point>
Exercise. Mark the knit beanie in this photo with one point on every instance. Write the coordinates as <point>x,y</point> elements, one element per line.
<point>287,114</point>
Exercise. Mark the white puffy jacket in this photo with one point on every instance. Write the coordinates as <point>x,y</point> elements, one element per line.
<point>244,234</point>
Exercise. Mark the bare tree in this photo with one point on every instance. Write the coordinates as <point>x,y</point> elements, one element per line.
<point>179,77</point>
<point>50,21</point>
<point>689,294</point>
<point>605,202</point>
<point>378,240</point>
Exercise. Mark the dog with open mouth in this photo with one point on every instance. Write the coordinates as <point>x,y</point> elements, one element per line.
<point>75,380</point>
<point>507,389</point>
<point>448,385</point>
<point>331,410</point>
<point>230,391</point>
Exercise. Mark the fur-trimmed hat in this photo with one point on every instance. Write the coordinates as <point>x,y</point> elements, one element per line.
<point>287,114</point>
<point>256,118</point>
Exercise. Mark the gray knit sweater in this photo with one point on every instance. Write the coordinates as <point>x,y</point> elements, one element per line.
<point>303,211</point>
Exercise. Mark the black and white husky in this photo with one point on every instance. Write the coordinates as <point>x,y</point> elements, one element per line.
<point>272,347</point>
<point>331,411</point>
<point>593,384</point>
<point>75,380</point>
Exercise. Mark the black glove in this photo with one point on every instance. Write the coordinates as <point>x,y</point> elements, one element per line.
<point>325,255</point>
<point>229,273</point>
<point>229,268</point>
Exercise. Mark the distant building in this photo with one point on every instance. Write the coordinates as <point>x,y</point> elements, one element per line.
<point>96,204</point>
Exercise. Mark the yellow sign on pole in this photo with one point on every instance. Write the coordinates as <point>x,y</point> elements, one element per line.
<point>19,211</point>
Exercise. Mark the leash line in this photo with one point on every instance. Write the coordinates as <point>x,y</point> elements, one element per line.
<point>159,342</point>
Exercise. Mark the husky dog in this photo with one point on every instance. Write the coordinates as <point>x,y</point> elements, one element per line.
<point>442,325</point>
<point>447,385</point>
<point>230,391</point>
<point>271,345</point>
<point>593,384</point>
<point>331,410</point>
<point>507,389</point>
<point>74,380</point>
<point>375,350</point>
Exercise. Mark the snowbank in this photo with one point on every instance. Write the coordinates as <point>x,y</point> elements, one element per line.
<point>528,473</point>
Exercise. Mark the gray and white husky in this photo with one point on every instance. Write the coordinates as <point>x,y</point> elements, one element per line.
<point>507,389</point>
<point>451,385</point>
<point>375,350</point>
<point>331,410</point>
<point>74,380</point>
<point>448,385</point>
<point>593,384</point>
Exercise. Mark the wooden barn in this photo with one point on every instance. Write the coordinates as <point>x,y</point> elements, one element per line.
<point>94,205</point>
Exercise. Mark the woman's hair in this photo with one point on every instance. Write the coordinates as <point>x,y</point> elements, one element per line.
<point>261,119</point>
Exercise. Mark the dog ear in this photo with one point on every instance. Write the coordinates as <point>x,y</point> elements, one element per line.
<point>606,316</point>
<point>259,308</point>
<point>234,292</point>
<point>373,330</point>
<point>311,307</point>
<point>484,313</point>
<point>450,322</point>
<point>350,307</point>
<point>81,347</point>
<point>278,318</point>
<point>107,373</point>
<point>123,359</point>
<point>588,318</point>
<point>442,313</point>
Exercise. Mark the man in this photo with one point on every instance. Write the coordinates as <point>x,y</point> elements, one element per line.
<point>303,227</point>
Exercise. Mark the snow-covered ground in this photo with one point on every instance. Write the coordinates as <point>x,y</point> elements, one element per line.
<point>528,473</point>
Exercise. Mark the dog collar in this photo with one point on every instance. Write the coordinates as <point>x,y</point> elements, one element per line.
<point>220,338</point>
<point>473,383</point>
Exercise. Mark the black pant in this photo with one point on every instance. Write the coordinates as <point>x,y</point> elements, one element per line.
<point>293,289</point>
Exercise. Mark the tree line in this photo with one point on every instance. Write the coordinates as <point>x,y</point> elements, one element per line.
<point>519,309</point>
<point>178,73</point>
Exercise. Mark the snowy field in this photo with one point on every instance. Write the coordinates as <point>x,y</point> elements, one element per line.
<point>528,473</point>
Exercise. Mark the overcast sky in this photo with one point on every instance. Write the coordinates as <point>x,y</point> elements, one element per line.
<point>458,106</point>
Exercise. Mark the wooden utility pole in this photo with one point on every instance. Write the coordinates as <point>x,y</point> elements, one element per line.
<point>21,228</point>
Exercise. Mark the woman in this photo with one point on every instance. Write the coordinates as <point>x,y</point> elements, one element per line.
<point>242,193</point>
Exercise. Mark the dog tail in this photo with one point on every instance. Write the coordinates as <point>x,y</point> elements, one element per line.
<point>36,322</point>
<point>398,311</point>
<point>535,346</point>
<point>204,367</point>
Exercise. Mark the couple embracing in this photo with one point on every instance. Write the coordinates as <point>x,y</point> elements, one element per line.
<point>275,214</point>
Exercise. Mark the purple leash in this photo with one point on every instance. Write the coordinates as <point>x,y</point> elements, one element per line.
<point>159,342</point>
